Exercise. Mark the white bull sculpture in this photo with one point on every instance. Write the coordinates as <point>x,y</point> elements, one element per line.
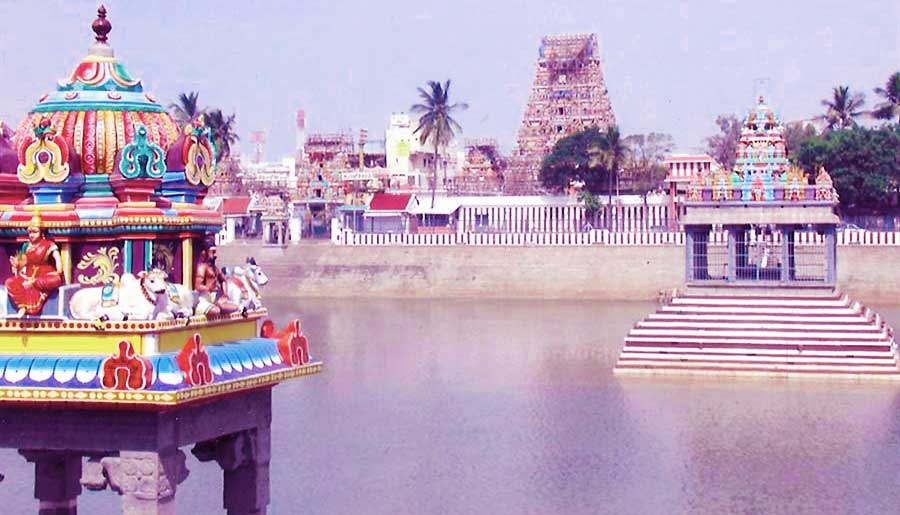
<point>146,296</point>
<point>243,283</point>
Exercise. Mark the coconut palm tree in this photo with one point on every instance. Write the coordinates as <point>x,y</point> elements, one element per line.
<point>609,153</point>
<point>436,123</point>
<point>891,93</point>
<point>187,109</point>
<point>221,128</point>
<point>843,107</point>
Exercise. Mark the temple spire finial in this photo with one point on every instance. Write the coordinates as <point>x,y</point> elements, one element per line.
<point>101,25</point>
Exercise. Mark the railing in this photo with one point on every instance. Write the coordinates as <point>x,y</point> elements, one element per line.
<point>591,237</point>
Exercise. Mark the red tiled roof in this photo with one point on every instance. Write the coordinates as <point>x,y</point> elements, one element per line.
<point>235,205</point>
<point>389,202</point>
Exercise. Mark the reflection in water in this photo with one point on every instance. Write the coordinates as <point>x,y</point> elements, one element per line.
<point>511,407</point>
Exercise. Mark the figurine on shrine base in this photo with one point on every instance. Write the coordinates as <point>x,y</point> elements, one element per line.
<point>209,283</point>
<point>37,271</point>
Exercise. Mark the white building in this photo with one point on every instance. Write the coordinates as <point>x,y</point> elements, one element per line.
<point>409,162</point>
<point>279,175</point>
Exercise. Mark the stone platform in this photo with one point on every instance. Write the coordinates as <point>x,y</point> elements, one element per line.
<point>138,454</point>
<point>799,333</point>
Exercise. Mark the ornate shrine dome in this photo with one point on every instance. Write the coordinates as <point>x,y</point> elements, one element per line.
<point>97,108</point>
<point>761,144</point>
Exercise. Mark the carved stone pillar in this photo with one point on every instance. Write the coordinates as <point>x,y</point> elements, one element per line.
<point>146,480</point>
<point>244,457</point>
<point>56,481</point>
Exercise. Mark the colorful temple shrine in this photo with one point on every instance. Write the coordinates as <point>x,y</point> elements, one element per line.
<point>116,313</point>
<point>568,95</point>
<point>760,292</point>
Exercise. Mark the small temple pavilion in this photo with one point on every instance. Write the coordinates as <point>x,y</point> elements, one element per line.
<point>760,265</point>
<point>122,341</point>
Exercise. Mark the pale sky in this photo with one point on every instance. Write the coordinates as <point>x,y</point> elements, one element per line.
<point>669,66</point>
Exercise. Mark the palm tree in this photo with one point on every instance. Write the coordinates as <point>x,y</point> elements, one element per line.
<point>435,122</point>
<point>609,153</point>
<point>221,128</point>
<point>842,108</point>
<point>186,110</point>
<point>891,93</point>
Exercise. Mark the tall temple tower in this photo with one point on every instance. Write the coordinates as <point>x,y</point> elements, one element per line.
<point>568,95</point>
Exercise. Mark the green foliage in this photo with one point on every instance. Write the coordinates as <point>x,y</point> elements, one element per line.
<point>577,157</point>
<point>723,146</point>
<point>842,108</point>
<point>187,109</point>
<point>590,201</point>
<point>890,108</point>
<point>435,121</point>
<point>864,165</point>
<point>222,129</point>
<point>794,136</point>
<point>643,169</point>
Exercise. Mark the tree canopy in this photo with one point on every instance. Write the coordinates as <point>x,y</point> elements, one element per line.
<point>436,123</point>
<point>187,108</point>
<point>575,158</point>
<point>842,108</point>
<point>864,165</point>
<point>723,146</point>
<point>890,107</point>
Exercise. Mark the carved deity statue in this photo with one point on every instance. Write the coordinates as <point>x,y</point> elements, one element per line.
<point>37,271</point>
<point>824,185</point>
<point>209,283</point>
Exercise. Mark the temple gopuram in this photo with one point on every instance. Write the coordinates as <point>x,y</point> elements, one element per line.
<point>568,95</point>
<point>482,169</point>
<point>761,294</point>
<point>119,326</point>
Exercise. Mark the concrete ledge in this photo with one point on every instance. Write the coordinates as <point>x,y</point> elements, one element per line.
<point>547,272</point>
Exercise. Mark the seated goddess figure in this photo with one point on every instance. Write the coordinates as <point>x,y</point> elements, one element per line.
<point>37,271</point>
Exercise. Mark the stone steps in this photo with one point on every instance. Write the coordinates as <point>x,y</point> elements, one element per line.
<point>780,335</point>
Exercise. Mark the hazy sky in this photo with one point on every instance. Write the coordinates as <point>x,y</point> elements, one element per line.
<point>669,66</point>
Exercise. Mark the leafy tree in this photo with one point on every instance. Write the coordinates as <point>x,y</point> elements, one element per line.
<point>794,136</point>
<point>610,153</point>
<point>436,123</point>
<point>864,165</point>
<point>223,134</point>
<point>643,161</point>
<point>645,150</point>
<point>591,204</point>
<point>723,146</point>
<point>843,108</point>
<point>186,109</point>
<point>577,158</point>
<point>890,108</point>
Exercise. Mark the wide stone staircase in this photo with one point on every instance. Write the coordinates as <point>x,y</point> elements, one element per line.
<point>775,334</point>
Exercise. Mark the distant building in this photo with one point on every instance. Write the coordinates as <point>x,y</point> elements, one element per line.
<point>482,169</point>
<point>569,94</point>
<point>268,177</point>
<point>409,163</point>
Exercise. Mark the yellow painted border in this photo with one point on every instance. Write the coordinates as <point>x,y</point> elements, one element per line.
<point>187,262</point>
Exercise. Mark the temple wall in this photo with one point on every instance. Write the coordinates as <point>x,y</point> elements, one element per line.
<point>498,272</point>
<point>594,272</point>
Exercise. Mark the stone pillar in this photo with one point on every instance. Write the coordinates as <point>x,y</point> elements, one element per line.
<point>146,480</point>
<point>830,255</point>
<point>787,252</point>
<point>732,252</point>
<point>244,458</point>
<point>57,476</point>
<point>689,253</point>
